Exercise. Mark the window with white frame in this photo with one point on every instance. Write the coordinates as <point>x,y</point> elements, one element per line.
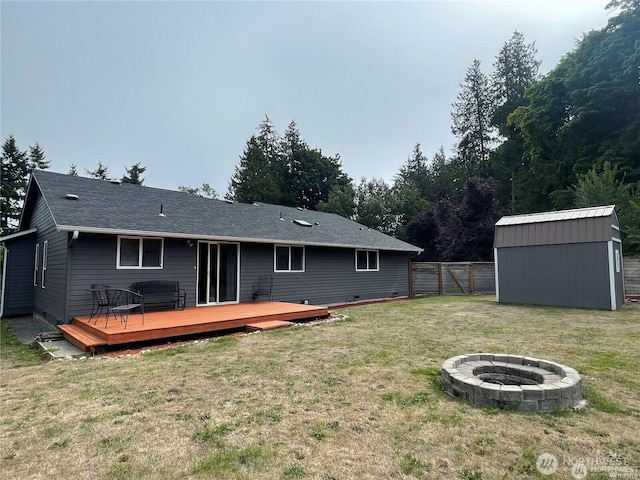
<point>45,246</point>
<point>367,260</point>
<point>140,252</point>
<point>35,265</point>
<point>287,258</point>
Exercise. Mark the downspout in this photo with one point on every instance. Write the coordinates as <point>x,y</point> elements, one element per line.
<point>74,236</point>
<point>4,277</point>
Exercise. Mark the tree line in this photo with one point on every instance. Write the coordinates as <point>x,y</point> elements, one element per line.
<point>525,143</point>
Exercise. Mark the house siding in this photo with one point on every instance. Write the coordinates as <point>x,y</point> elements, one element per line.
<point>18,294</point>
<point>330,276</point>
<point>573,275</point>
<point>49,302</point>
<point>93,260</point>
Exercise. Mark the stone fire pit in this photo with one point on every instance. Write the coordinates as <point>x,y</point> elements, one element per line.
<point>512,381</point>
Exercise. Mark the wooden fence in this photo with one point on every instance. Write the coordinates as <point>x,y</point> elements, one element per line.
<point>458,278</point>
<point>631,275</point>
<point>467,278</point>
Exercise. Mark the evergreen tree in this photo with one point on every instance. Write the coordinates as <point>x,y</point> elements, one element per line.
<point>37,158</point>
<point>515,70</point>
<point>414,172</point>
<point>134,174</point>
<point>471,115</point>
<point>73,170</point>
<point>15,173</point>
<point>100,173</point>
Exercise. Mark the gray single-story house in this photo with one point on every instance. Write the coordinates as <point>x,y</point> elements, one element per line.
<point>567,258</point>
<point>77,231</point>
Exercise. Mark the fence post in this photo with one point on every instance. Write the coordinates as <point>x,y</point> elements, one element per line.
<point>440,287</point>
<point>472,279</point>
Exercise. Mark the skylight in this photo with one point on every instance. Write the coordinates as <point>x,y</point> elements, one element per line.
<point>302,223</point>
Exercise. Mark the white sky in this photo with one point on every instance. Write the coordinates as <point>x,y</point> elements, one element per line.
<point>181,86</point>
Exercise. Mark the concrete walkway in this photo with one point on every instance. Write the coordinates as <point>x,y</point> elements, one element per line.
<point>26,329</point>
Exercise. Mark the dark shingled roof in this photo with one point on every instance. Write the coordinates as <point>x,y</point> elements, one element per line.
<point>121,208</point>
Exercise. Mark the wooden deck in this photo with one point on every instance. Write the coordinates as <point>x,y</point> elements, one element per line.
<point>87,336</point>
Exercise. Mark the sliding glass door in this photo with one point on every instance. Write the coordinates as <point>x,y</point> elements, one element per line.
<point>218,272</point>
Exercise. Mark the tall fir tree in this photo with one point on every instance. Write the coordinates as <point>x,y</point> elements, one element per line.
<point>17,166</point>
<point>471,117</point>
<point>515,70</point>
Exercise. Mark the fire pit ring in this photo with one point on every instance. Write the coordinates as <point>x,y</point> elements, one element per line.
<point>512,381</point>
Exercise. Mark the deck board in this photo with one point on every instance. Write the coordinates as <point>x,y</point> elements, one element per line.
<point>191,321</point>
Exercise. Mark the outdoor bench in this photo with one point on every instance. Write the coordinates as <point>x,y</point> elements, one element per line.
<point>161,294</point>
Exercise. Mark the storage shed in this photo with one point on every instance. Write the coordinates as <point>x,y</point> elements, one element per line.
<point>569,258</point>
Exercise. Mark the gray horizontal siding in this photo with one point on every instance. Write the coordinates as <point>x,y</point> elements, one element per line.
<point>330,276</point>
<point>18,294</point>
<point>50,302</point>
<point>93,260</point>
<point>562,275</point>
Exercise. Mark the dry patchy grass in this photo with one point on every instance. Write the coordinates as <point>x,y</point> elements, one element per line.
<point>358,398</point>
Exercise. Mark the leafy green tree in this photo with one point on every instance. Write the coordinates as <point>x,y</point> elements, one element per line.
<point>373,205</point>
<point>584,112</point>
<point>341,201</point>
<point>134,174</point>
<point>471,115</point>
<point>605,186</point>
<point>100,173</point>
<point>309,175</point>
<point>285,171</point>
<point>205,191</point>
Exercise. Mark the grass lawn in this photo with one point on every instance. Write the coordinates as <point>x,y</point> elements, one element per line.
<point>352,399</point>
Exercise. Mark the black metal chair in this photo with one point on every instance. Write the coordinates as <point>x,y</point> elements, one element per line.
<point>100,301</point>
<point>263,288</point>
<point>122,301</point>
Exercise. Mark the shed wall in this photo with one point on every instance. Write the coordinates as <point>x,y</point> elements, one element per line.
<point>572,275</point>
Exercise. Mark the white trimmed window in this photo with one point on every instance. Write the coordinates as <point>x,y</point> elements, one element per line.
<point>367,261</point>
<point>36,267</point>
<point>140,252</point>
<point>287,258</point>
<point>45,246</point>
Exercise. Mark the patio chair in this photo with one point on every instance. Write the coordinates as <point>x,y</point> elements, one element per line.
<point>263,288</point>
<point>122,301</point>
<point>100,301</point>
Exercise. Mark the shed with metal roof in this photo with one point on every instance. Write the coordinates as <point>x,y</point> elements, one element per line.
<point>567,258</point>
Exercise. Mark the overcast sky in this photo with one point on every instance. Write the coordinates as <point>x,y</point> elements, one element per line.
<point>181,86</point>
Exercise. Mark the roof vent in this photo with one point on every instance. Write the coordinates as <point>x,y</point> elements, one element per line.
<point>255,204</point>
<point>300,208</point>
<point>71,196</point>
<point>302,223</point>
<point>161,214</point>
<point>230,202</point>
<point>115,181</point>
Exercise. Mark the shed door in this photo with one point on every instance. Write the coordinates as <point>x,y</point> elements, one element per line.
<point>218,273</point>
